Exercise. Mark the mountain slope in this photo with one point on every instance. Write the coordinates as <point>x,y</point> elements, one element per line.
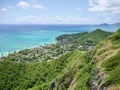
<point>75,36</point>
<point>36,76</point>
<point>95,37</point>
<point>96,69</point>
<point>100,67</point>
<point>85,40</point>
<point>106,60</point>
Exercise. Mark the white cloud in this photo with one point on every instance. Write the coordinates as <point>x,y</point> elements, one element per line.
<point>108,19</point>
<point>3,9</point>
<point>38,6</point>
<point>53,19</point>
<point>23,4</point>
<point>58,18</point>
<point>105,5</point>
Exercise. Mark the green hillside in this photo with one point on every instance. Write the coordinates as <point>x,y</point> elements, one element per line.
<point>95,37</point>
<point>92,38</point>
<point>23,76</point>
<point>106,61</point>
<point>75,36</point>
<point>96,69</point>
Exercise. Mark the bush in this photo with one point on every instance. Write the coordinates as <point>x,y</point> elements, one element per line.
<point>112,62</point>
<point>112,66</point>
<point>114,77</point>
<point>101,52</point>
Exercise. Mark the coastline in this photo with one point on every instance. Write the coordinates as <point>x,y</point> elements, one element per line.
<point>5,54</point>
<point>60,32</point>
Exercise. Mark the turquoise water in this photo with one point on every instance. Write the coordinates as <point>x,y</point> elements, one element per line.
<point>18,37</point>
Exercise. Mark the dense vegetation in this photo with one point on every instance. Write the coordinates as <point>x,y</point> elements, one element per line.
<point>75,36</point>
<point>22,76</point>
<point>95,37</point>
<point>92,38</point>
<point>106,59</point>
<point>112,66</point>
<point>95,69</point>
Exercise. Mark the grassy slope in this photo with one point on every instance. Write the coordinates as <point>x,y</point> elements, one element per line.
<point>73,70</point>
<point>23,76</point>
<point>93,37</point>
<point>112,64</point>
<point>75,36</point>
<point>96,36</point>
<point>106,57</point>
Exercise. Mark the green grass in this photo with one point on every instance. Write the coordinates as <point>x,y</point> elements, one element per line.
<point>102,51</point>
<point>94,37</point>
<point>84,74</point>
<point>112,62</point>
<point>73,65</point>
<point>75,36</point>
<point>64,79</point>
<point>112,66</point>
<point>83,79</point>
<point>113,78</point>
<point>23,76</point>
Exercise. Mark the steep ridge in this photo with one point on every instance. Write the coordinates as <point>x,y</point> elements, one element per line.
<point>106,61</point>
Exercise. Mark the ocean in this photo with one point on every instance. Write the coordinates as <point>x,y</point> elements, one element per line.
<point>19,37</point>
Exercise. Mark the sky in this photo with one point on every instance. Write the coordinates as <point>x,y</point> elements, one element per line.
<point>59,11</point>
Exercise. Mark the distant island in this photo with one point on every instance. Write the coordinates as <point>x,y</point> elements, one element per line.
<point>105,24</point>
<point>117,24</point>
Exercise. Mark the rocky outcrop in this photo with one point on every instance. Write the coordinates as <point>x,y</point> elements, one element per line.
<point>52,85</point>
<point>96,82</point>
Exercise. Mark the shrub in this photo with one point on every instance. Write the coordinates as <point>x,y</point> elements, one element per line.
<point>112,62</point>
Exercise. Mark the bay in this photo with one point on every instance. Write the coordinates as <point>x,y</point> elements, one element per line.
<point>19,37</point>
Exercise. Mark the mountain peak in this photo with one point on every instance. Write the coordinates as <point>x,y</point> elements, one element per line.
<point>98,30</point>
